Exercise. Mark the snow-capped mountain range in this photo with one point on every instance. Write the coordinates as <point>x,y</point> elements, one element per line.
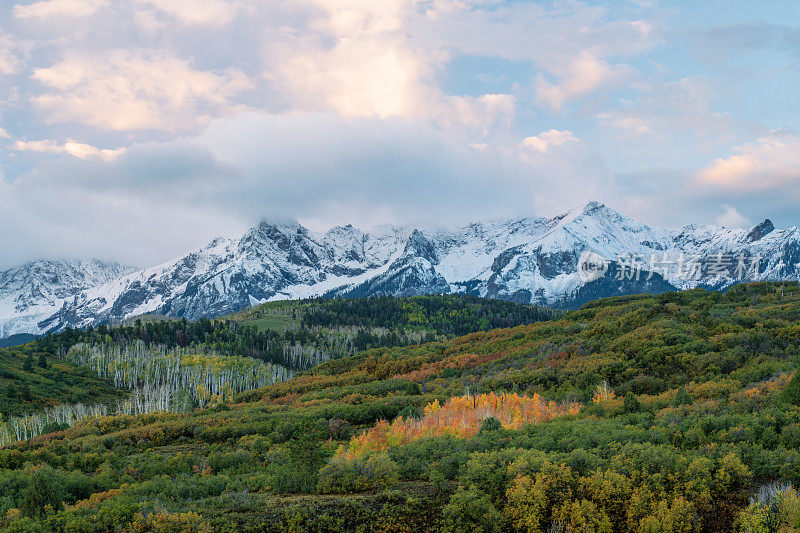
<point>531,260</point>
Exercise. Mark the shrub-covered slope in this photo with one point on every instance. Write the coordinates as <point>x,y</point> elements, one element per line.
<point>30,381</point>
<point>684,406</point>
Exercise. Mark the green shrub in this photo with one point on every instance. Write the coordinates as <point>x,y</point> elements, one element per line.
<point>470,511</point>
<point>44,493</point>
<point>682,398</point>
<point>410,411</point>
<point>343,475</point>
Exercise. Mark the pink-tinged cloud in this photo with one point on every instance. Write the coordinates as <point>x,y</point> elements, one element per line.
<point>580,78</point>
<point>771,161</point>
<point>59,8</point>
<point>127,90</point>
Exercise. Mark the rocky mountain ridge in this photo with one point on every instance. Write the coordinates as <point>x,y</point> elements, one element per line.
<point>533,260</point>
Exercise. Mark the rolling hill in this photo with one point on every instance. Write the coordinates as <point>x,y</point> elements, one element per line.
<point>674,412</point>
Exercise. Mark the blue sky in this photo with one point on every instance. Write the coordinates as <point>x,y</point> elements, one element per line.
<point>137,129</point>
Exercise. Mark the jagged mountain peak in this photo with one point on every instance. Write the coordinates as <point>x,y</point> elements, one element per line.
<point>530,260</point>
<point>272,227</point>
<point>760,230</point>
<point>598,212</point>
<point>269,235</point>
<point>418,245</point>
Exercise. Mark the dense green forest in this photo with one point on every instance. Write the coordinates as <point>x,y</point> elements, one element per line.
<point>300,334</point>
<point>450,315</point>
<point>676,412</point>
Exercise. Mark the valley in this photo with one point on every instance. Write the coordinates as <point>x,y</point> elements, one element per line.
<point>164,365</point>
<point>672,412</point>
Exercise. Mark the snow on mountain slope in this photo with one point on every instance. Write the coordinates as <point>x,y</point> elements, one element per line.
<point>35,290</point>
<point>532,260</point>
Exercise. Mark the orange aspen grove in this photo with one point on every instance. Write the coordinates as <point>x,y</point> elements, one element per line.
<point>461,416</point>
<point>603,393</point>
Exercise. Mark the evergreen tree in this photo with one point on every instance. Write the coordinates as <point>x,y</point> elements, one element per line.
<point>42,363</point>
<point>410,411</point>
<point>28,365</point>
<point>631,403</point>
<point>413,389</point>
<point>791,394</point>
<point>682,398</point>
<point>490,424</point>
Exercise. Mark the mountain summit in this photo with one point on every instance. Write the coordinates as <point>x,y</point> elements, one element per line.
<point>531,260</point>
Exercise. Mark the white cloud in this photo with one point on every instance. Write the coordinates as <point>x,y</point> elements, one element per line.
<point>59,8</point>
<point>480,114</point>
<point>682,106</point>
<point>563,171</point>
<point>73,148</point>
<point>354,57</point>
<point>10,54</point>
<point>731,218</point>
<point>772,161</point>
<point>349,18</point>
<point>135,90</point>
<point>634,124</point>
<point>201,12</point>
<point>403,120</point>
<point>581,77</point>
<point>359,78</point>
<point>546,139</point>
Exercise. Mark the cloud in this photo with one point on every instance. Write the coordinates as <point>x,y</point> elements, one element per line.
<point>638,125</point>
<point>542,142</point>
<point>354,57</point>
<point>319,168</point>
<point>731,218</point>
<point>563,171</point>
<point>550,37</point>
<point>59,8</point>
<point>771,162</point>
<point>76,149</point>
<point>359,78</point>
<point>725,42</point>
<point>665,118</point>
<point>140,128</point>
<point>11,54</point>
<point>581,77</point>
<point>134,90</point>
<point>201,12</point>
<point>480,114</point>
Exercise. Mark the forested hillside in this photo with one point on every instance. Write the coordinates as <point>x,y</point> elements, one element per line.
<point>176,365</point>
<point>677,412</point>
<point>31,380</point>
<point>299,334</point>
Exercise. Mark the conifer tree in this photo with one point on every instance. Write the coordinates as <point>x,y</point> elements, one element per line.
<point>682,398</point>
<point>791,394</point>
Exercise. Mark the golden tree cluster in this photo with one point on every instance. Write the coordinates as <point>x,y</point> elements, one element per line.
<point>461,416</point>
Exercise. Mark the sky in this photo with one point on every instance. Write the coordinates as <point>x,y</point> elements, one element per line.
<point>136,130</point>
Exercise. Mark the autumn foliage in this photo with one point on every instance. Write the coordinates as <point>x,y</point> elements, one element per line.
<point>460,416</point>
